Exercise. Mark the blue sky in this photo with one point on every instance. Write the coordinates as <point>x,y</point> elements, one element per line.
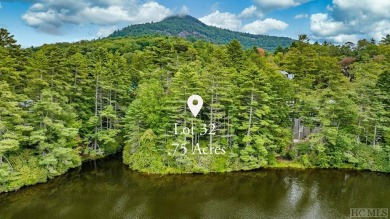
<point>35,22</point>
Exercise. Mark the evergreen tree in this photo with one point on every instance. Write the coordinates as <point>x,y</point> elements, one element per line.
<point>253,101</point>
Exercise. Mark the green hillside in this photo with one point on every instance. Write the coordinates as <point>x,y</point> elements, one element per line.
<point>192,29</point>
<point>61,104</point>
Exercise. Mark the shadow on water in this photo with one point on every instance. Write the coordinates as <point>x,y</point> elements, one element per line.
<point>108,189</point>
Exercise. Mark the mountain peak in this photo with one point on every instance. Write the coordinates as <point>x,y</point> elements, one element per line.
<point>188,19</point>
<point>181,17</point>
<point>191,28</point>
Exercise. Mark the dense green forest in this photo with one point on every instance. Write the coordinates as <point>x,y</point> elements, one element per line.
<point>64,103</point>
<point>192,29</point>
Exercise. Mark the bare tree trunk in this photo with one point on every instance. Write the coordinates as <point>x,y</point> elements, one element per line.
<point>9,163</point>
<point>40,98</point>
<point>1,132</point>
<point>228,130</point>
<point>374,140</point>
<point>360,131</point>
<point>75,77</point>
<point>96,110</point>
<point>192,135</point>
<point>299,129</point>
<point>185,110</point>
<point>250,116</point>
<point>211,113</point>
<point>293,131</point>
<point>72,99</point>
<point>139,134</point>
<point>52,78</point>
<point>101,106</point>
<point>366,135</point>
<point>116,102</point>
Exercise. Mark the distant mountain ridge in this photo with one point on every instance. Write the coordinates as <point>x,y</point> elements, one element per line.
<point>193,29</point>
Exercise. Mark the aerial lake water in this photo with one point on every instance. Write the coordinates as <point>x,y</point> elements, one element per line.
<point>108,189</point>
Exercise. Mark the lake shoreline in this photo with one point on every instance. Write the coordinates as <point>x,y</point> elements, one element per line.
<point>280,164</point>
<point>106,188</point>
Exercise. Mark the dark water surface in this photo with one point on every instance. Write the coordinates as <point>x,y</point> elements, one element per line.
<point>108,189</point>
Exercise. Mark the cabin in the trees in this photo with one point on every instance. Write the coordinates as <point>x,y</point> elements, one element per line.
<point>300,132</point>
<point>288,75</point>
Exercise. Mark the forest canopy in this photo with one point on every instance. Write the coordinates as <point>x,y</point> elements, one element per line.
<point>64,103</point>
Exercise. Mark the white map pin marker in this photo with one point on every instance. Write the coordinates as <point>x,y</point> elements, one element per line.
<point>195,108</point>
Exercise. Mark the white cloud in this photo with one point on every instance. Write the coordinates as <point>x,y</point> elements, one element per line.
<point>105,31</point>
<point>38,18</point>
<point>379,29</point>
<point>350,20</point>
<point>1,6</point>
<point>363,8</point>
<point>214,6</point>
<point>150,11</point>
<point>250,12</point>
<point>222,19</point>
<point>278,4</point>
<point>323,26</point>
<point>47,21</point>
<point>184,10</point>
<point>37,7</point>
<point>342,38</point>
<point>339,39</point>
<point>233,22</point>
<point>50,15</point>
<point>301,16</point>
<point>263,26</point>
<point>99,15</point>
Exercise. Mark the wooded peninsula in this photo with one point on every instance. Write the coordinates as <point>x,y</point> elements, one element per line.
<point>308,105</point>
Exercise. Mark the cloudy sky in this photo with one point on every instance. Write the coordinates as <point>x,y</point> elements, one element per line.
<point>34,22</point>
